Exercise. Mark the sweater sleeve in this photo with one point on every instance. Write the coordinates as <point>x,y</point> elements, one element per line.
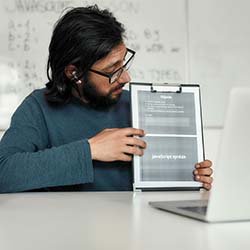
<point>27,161</point>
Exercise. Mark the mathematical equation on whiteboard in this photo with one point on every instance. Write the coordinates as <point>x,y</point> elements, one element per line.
<point>29,26</point>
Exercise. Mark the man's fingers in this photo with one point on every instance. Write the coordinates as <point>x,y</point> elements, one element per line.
<point>133,150</point>
<point>117,144</point>
<point>133,141</point>
<point>204,164</point>
<point>203,171</point>
<point>207,186</point>
<point>204,179</point>
<point>133,131</point>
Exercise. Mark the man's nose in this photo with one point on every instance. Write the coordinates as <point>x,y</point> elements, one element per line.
<point>125,77</point>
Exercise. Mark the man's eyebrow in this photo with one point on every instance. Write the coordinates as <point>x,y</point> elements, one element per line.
<point>111,65</point>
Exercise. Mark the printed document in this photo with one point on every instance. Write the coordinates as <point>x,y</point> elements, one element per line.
<point>171,119</point>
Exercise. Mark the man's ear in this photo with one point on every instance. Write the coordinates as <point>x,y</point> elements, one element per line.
<point>69,69</point>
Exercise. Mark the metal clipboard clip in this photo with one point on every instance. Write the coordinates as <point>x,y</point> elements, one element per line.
<point>166,88</point>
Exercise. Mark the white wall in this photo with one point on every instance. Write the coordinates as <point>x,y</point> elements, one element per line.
<point>219,52</point>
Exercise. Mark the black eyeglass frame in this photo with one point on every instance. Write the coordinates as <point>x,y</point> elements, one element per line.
<point>121,69</point>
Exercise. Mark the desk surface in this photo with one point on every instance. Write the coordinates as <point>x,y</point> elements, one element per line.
<point>109,220</point>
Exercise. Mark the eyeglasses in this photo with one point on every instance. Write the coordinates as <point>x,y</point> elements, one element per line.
<point>113,77</point>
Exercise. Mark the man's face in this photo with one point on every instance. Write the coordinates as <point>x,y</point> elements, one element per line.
<point>97,90</point>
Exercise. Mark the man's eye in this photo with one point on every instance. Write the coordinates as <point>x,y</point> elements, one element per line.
<point>114,68</point>
<point>112,71</point>
<point>109,72</point>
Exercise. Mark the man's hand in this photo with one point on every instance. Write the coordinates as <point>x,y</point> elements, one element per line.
<point>117,144</point>
<point>203,173</point>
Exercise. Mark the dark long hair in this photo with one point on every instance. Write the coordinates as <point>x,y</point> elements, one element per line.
<point>81,37</point>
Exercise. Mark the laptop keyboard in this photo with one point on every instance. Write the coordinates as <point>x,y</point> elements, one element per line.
<point>197,209</point>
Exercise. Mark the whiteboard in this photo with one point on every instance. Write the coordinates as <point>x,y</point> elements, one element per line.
<point>200,41</point>
<point>156,30</point>
<point>219,49</point>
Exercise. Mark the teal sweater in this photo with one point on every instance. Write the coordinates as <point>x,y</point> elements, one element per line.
<point>46,147</point>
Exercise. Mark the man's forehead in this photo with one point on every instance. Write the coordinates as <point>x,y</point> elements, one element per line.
<point>116,55</point>
<point>118,50</point>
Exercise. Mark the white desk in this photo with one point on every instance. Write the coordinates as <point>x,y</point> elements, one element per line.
<point>109,220</point>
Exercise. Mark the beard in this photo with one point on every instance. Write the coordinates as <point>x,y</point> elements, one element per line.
<point>98,100</point>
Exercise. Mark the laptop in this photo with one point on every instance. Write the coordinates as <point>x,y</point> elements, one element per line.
<point>229,197</point>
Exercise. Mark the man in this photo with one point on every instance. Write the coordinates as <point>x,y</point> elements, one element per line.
<point>75,134</point>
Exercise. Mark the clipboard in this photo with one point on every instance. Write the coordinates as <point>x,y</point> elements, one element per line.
<point>171,117</point>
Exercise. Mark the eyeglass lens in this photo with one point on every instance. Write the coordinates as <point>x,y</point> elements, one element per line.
<point>128,61</point>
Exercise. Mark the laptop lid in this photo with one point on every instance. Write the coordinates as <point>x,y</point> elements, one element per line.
<point>229,196</point>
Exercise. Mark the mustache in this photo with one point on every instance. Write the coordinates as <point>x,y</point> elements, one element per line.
<point>121,85</point>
